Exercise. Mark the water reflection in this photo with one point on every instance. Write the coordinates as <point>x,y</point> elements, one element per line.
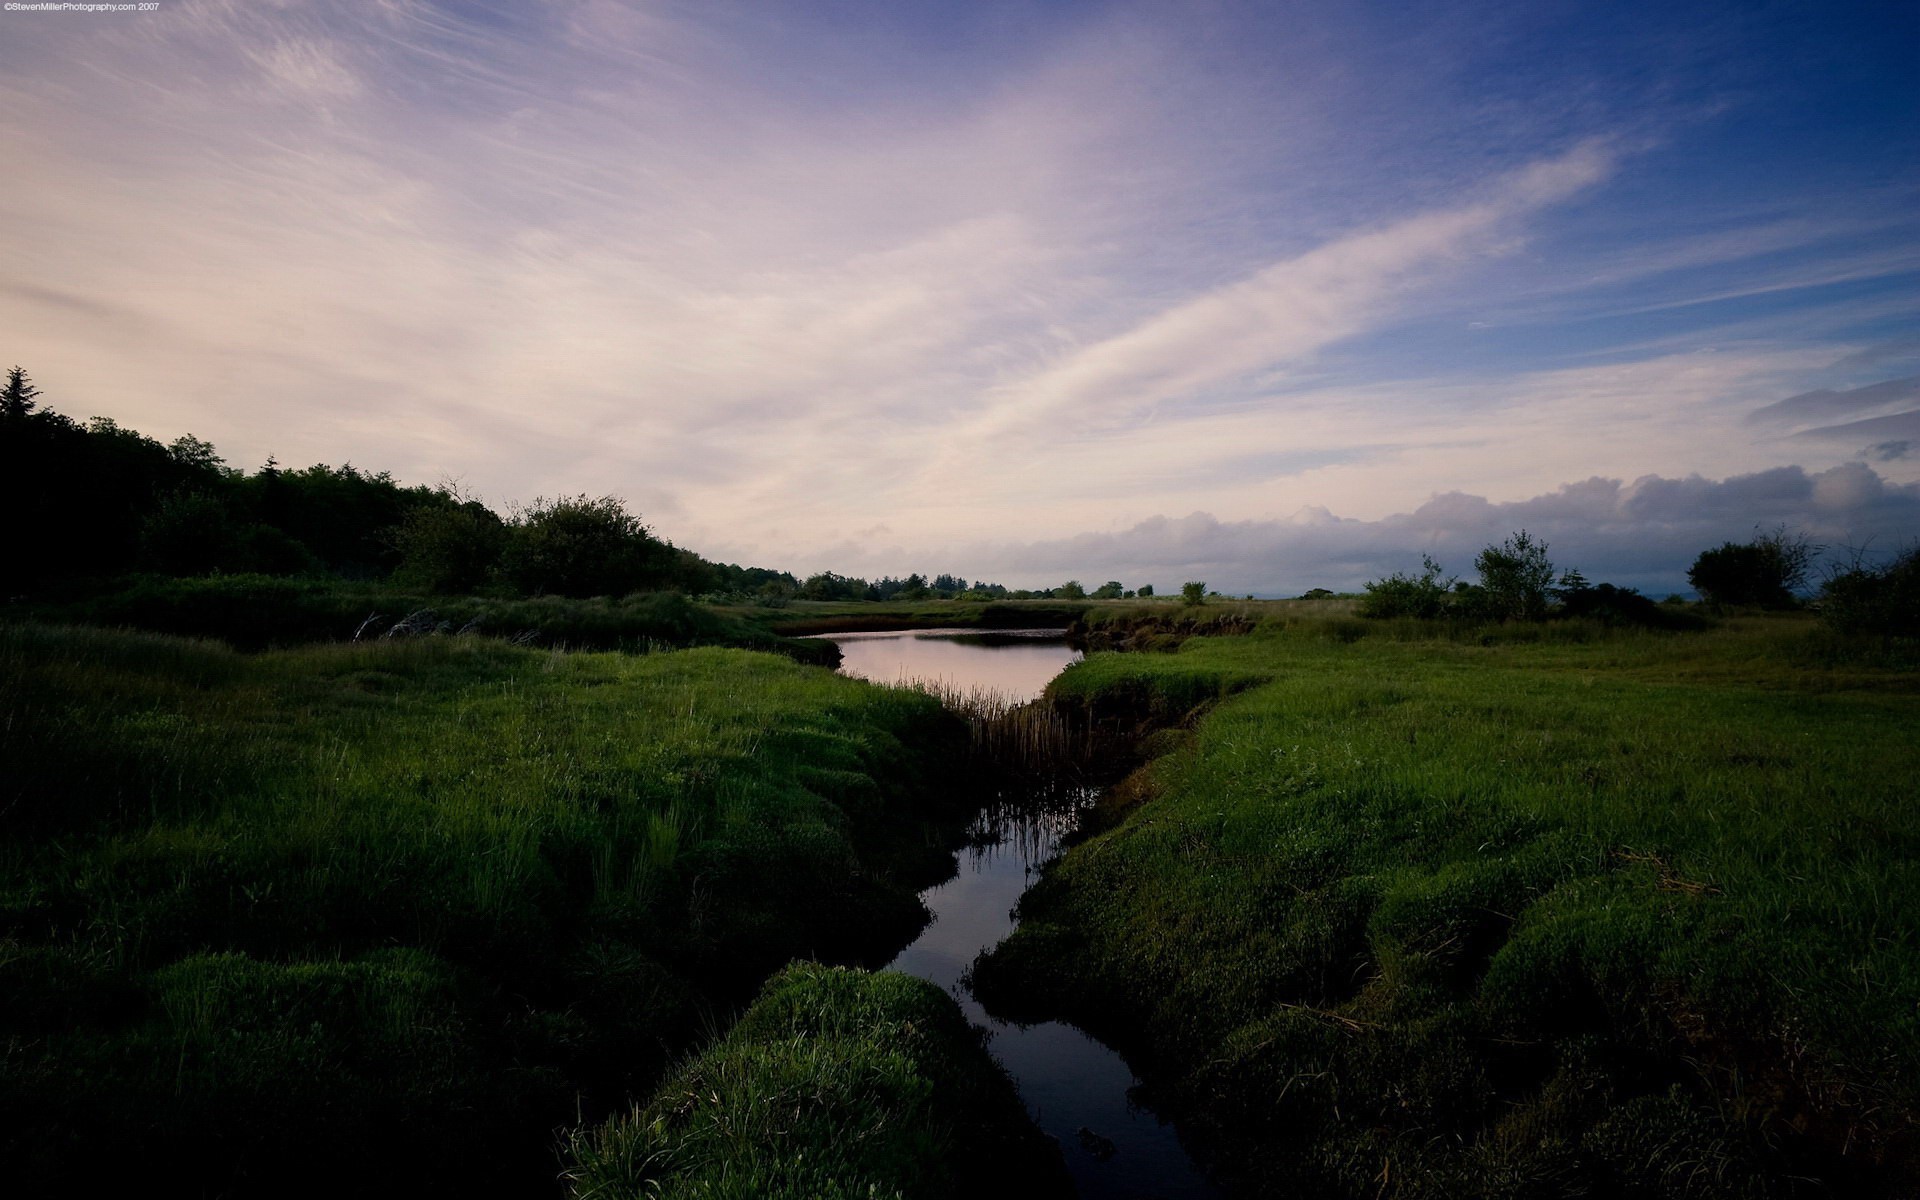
<point>1013,662</point>
<point>1078,1090</point>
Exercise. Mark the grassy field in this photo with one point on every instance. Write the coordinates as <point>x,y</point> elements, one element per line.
<point>836,1084</point>
<point>383,917</point>
<point>1551,910</point>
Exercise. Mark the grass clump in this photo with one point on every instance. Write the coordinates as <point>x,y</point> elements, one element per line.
<point>1621,915</point>
<point>264,918</point>
<point>835,1083</point>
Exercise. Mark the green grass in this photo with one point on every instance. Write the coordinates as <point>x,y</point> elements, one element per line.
<point>835,1084</point>
<point>1573,911</point>
<point>401,909</point>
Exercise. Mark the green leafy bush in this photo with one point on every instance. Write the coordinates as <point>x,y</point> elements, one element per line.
<point>1423,596</point>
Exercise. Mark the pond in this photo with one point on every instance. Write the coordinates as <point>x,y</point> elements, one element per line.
<point>1077,1089</point>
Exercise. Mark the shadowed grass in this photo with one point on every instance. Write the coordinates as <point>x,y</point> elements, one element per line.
<point>262,917</point>
<point>1614,911</point>
<point>834,1084</point>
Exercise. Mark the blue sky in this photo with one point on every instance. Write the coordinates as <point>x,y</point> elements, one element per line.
<point>1274,295</point>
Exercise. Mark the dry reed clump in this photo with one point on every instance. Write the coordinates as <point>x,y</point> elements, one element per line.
<point>1032,739</point>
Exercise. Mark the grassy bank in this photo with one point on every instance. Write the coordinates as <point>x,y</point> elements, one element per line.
<point>1540,911</point>
<point>256,612</point>
<point>372,918</point>
<point>835,1083</point>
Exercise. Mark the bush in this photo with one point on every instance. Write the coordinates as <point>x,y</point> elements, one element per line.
<point>1764,572</point>
<point>1620,606</point>
<point>1402,595</point>
<point>1193,594</point>
<point>451,547</point>
<point>1883,600</point>
<point>1514,578</point>
<point>576,546</point>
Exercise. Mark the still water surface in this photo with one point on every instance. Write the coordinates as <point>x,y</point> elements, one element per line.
<point>1078,1090</point>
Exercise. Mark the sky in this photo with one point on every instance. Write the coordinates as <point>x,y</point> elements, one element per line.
<point>1271,295</point>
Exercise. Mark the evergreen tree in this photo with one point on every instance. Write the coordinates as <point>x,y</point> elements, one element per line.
<point>17,398</point>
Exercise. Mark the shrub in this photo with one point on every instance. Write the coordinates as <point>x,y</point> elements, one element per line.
<point>1764,572</point>
<point>1883,600</point>
<point>1402,595</point>
<point>1193,594</point>
<point>1515,577</point>
<point>451,547</point>
<point>576,546</point>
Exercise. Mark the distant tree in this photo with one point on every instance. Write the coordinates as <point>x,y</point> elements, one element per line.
<point>17,399</point>
<point>1765,572</point>
<point>1110,590</point>
<point>1071,590</point>
<point>1571,587</point>
<point>579,546</point>
<point>1316,594</point>
<point>1146,591</point>
<point>1515,576</point>
<point>190,451</point>
<point>1402,595</point>
<point>1193,593</point>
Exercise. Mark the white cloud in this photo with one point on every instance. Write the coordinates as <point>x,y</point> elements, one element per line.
<point>775,292</point>
<point>1643,533</point>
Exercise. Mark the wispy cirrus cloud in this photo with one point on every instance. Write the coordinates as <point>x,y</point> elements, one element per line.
<point>782,275</point>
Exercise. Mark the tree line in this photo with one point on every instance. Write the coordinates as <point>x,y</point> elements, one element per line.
<point>1774,570</point>
<point>93,500</point>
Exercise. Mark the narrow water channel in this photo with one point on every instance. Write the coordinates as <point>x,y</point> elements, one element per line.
<point>1078,1090</point>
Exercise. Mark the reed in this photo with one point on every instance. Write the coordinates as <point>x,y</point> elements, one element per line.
<point>1033,741</point>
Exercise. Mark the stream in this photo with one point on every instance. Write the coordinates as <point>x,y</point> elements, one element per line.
<point>1077,1089</point>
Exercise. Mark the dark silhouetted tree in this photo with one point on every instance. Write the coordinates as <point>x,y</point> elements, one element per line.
<point>452,546</point>
<point>17,399</point>
<point>577,546</point>
<point>1765,572</point>
<point>1870,598</point>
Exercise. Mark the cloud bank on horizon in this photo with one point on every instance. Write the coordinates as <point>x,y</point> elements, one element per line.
<point>1003,286</point>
